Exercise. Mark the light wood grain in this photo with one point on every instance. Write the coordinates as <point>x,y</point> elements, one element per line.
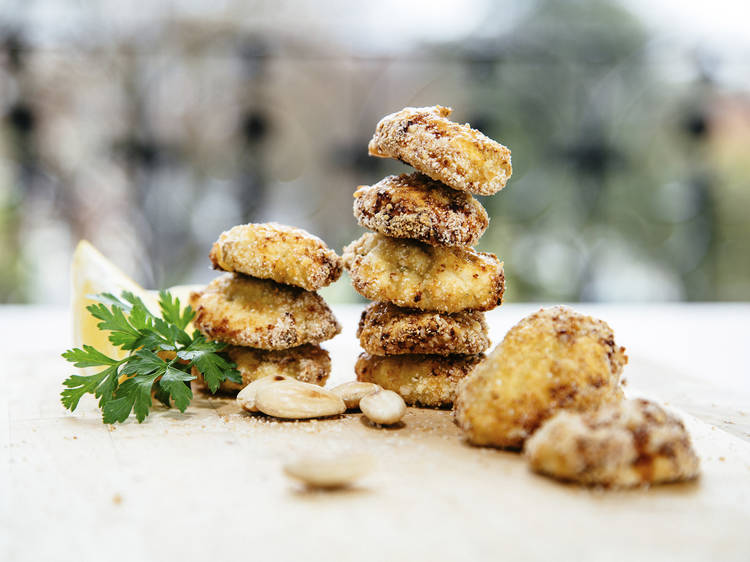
<point>208,485</point>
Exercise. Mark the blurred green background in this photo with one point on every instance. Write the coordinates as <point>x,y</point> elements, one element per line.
<point>150,127</point>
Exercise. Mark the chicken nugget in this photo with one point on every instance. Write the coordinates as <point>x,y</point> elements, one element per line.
<point>415,275</point>
<point>553,359</point>
<point>426,380</point>
<point>385,329</point>
<point>415,206</point>
<point>259,313</point>
<point>457,155</point>
<point>306,363</point>
<point>633,443</point>
<point>274,251</point>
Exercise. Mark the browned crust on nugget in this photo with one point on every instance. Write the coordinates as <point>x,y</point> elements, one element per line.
<point>417,207</point>
<point>551,360</point>
<point>457,155</point>
<point>386,329</point>
<point>423,380</point>
<point>306,363</point>
<point>633,443</point>
<point>275,251</point>
<point>412,274</point>
<point>259,313</point>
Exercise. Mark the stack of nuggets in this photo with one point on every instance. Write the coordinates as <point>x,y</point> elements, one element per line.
<point>426,330</point>
<point>266,307</point>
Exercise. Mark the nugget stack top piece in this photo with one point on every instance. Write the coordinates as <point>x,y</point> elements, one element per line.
<point>265,306</point>
<point>457,155</point>
<point>426,329</point>
<point>284,254</point>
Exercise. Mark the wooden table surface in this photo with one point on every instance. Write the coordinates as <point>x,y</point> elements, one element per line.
<point>208,483</point>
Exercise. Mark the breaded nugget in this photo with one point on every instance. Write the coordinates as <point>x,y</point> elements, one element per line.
<point>457,155</point>
<point>417,207</point>
<point>274,251</point>
<point>259,313</point>
<point>426,380</point>
<point>633,443</point>
<point>553,359</point>
<point>385,329</point>
<point>306,363</point>
<point>416,275</point>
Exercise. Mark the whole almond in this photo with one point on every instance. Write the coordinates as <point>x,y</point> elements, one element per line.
<point>353,391</point>
<point>383,407</point>
<point>298,400</point>
<point>246,396</point>
<point>333,472</point>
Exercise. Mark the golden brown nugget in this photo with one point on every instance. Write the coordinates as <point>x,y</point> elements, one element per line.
<point>425,380</point>
<point>385,329</point>
<point>457,155</point>
<point>274,251</point>
<point>633,443</point>
<point>306,363</point>
<point>258,313</point>
<point>417,207</point>
<point>415,275</point>
<point>553,359</point>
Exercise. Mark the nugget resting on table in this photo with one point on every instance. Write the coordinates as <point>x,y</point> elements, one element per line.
<point>417,207</point>
<point>553,359</point>
<point>274,251</point>
<point>415,275</point>
<point>386,329</point>
<point>633,443</point>
<point>426,380</point>
<point>306,363</point>
<point>457,155</point>
<point>258,313</point>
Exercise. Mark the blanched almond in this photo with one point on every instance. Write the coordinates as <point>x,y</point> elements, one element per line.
<point>298,400</point>
<point>246,396</point>
<point>333,472</point>
<point>353,391</point>
<point>383,407</point>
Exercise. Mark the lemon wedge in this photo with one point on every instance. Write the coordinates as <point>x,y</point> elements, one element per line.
<point>92,273</point>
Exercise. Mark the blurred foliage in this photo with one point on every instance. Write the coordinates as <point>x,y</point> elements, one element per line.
<point>609,188</point>
<point>151,139</point>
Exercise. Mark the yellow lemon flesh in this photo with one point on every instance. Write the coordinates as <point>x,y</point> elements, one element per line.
<point>92,273</point>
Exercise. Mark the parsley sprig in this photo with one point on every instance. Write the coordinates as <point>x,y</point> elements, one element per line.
<point>160,359</point>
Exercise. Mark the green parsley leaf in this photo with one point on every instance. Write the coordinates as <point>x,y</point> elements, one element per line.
<point>173,381</point>
<point>215,369</point>
<point>159,363</point>
<point>101,385</point>
<point>134,394</point>
<point>88,357</point>
<point>170,310</point>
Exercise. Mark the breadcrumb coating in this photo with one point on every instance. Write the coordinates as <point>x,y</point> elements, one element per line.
<point>385,329</point>
<point>633,443</point>
<point>553,359</point>
<point>411,274</point>
<point>306,363</point>
<point>417,207</point>
<point>424,380</point>
<point>251,312</point>
<point>274,251</point>
<point>457,155</point>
